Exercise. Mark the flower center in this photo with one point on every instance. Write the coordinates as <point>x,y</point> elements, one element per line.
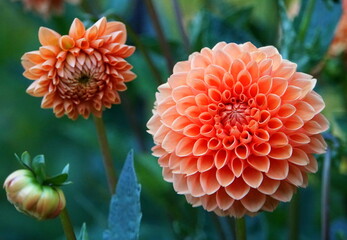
<point>234,113</point>
<point>84,78</point>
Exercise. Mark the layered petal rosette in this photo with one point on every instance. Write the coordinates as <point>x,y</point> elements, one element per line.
<point>82,72</point>
<point>236,128</point>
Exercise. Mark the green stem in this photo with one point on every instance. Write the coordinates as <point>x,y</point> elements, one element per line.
<point>179,20</point>
<point>294,217</point>
<point>162,40</point>
<point>240,229</point>
<point>306,20</point>
<point>67,226</point>
<point>325,195</point>
<point>106,153</point>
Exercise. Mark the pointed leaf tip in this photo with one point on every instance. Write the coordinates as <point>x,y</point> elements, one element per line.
<point>125,204</point>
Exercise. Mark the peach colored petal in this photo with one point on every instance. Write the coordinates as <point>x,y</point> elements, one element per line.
<point>48,37</point>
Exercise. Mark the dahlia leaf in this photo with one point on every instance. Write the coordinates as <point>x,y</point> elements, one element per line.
<point>125,210</point>
<point>24,160</point>
<point>57,180</point>
<point>39,167</point>
<point>83,233</point>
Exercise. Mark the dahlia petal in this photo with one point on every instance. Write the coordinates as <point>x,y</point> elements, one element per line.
<point>192,130</point>
<point>158,151</point>
<point>215,70</point>
<point>188,167</point>
<point>242,151</point>
<point>164,161</point>
<point>229,142</point>
<point>279,86</point>
<point>184,103</point>
<point>253,201</point>
<point>284,192</point>
<point>293,123</point>
<point>274,103</point>
<point>167,174</point>
<point>278,169</point>
<point>281,152</point>
<point>252,177</point>
<point>184,147</point>
<point>304,110</point>
<point>270,204</point>
<point>214,144</point>
<point>237,167</point>
<point>209,182</point>
<point>101,24</point>
<point>170,140</point>
<point>220,58</point>
<point>253,69</point>
<point>193,200</point>
<point>286,71</point>
<point>180,184</point>
<point>194,186</point>
<point>265,84</point>
<point>261,149</point>
<point>268,50</point>
<point>181,67</point>
<point>315,100</point>
<point>268,186</point>
<point>66,42</point>
<point>225,176</point>
<point>200,147</point>
<point>219,46</point>
<point>33,56</point>
<point>237,189</point>
<point>278,139</point>
<point>228,80</point>
<point>260,163</point>
<point>153,124</point>
<point>193,114</point>
<point>221,158</point>
<point>209,202</point>
<point>236,67</point>
<point>117,27</point>
<point>48,37</point>
<point>286,110</point>
<point>177,79</point>
<point>298,139</point>
<point>77,29</point>
<point>292,93</point>
<point>161,133</point>
<point>205,163</point>
<point>244,78</point>
<point>265,67</point>
<point>233,50</point>
<point>199,61</point>
<point>181,92</point>
<point>316,145</point>
<point>169,116</point>
<point>295,176</point>
<point>260,135</point>
<point>71,60</point>
<point>312,166</point>
<point>305,84</point>
<point>164,104</point>
<point>206,118</point>
<point>237,210</point>
<point>212,81</point>
<point>224,201</point>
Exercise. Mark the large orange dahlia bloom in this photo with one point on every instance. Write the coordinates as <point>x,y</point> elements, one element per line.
<point>236,127</point>
<point>82,72</point>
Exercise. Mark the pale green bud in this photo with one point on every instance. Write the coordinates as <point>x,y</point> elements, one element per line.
<point>28,196</point>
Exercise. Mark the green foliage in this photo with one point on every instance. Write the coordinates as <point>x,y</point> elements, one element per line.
<point>83,233</point>
<point>125,210</point>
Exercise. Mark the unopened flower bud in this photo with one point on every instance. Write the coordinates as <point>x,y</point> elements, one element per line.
<point>30,197</point>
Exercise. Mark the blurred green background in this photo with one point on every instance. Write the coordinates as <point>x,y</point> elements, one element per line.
<point>166,215</point>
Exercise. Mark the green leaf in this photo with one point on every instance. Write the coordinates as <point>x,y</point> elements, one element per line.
<point>57,180</point>
<point>66,169</point>
<point>24,160</point>
<point>39,168</point>
<point>125,210</point>
<point>83,233</point>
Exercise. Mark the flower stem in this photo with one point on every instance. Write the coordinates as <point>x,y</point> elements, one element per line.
<point>306,20</point>
<point>179,20</point>
<point>162,40</point>
<point>240,228</point>
<point>325,195</point>
<point>105,150</point>
<point>67,226</point>
<point>294,217</point>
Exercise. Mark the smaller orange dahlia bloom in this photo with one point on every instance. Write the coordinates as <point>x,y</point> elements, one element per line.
<point>82,72</point>
<point>236,128</point>
<point>339,43</point>
<point>46,7</point>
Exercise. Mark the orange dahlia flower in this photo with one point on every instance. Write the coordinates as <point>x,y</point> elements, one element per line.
<point>46,7</point>
<point>82,72</point>
<point>236,127</point>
